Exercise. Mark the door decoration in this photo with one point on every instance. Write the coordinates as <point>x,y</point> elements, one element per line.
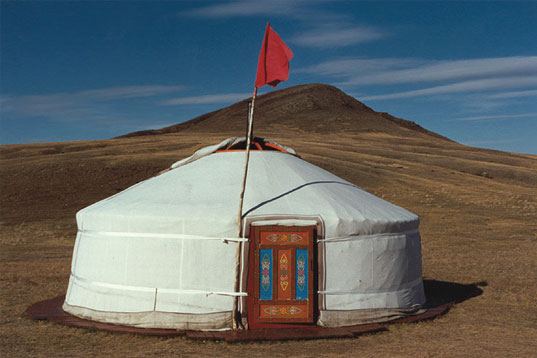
<point>284,289</point>
<point>283,311</point>
<point>301,290</point>
<point>265,287</point>
<point>281,288</point>
<point>282,238</point>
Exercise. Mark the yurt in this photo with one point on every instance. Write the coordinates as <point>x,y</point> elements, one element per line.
<point>314,249</point>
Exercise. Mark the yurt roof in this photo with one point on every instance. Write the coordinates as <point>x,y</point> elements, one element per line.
<point>200,196</point>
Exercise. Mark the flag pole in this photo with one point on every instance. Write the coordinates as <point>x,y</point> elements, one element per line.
<point>272,68</point>
<point>249,137</point>
<point>237,321</point>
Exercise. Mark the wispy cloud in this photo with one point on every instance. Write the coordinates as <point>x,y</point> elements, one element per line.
<point>344,67</point>
<point>460,87</point>
<point>479,103</point>
<point>514,94</point>
<point>498,117</point>
<point>323,28</point>
<point>388,71</point>
<point>490,142</point>
<point>206,99</point>
<point>79,104</point>
<point>308,12</point>
<point>245,8</point>
<point>114,93</point>
<point>488,83</point>
<point>454,70</point>
<point>332,36</point>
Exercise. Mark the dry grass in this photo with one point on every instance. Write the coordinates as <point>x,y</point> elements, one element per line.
<point>479,224</point>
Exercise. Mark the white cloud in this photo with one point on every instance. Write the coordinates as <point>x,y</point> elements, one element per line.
<point>114,93</point>
<point>470,76</point>
<point>454,70</point>
<point>79,104</point>
<point>326,28</point>
<point>206,99</point>
<point>332,36</point>
<point>514,94</point>
<point>460,87</point>
<point>388,71</point>
<point>345,66</point>
<point>498,117</point>
<point>245,8</point>
<point>488,142</point>
<point>480,103</point>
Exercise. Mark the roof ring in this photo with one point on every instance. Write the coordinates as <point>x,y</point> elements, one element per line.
<point>258,143</point>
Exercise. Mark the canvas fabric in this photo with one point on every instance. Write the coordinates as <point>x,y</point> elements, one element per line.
<point>170,243</point>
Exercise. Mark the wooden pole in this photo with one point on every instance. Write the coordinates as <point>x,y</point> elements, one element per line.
<point>237,320</point>
<point>249,137</point>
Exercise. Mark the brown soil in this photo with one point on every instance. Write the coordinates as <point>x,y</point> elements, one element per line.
<point>479,228</point>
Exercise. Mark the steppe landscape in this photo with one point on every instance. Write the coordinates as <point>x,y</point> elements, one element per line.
<point>478,212</point>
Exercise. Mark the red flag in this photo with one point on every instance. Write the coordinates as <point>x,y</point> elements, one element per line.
<point>274,57</point>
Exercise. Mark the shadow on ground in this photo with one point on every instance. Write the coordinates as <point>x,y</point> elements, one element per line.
<point>442,292</point>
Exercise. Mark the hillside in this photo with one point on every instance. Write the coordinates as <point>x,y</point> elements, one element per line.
<point>478,211</point>
<point>305,108</point>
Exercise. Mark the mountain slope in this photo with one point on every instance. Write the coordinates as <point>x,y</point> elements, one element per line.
<point>313,108</point>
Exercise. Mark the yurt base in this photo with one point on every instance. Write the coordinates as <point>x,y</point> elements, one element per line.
<point>51,310</point>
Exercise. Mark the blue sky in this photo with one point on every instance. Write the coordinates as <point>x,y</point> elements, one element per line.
<point>89,70</point>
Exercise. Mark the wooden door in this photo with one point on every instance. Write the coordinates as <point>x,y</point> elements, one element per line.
<point>281,279</point>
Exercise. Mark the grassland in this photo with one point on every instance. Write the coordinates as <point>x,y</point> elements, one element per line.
<point>478,212</point>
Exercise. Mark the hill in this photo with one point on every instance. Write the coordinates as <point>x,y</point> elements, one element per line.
<point>478,211</point>
<point>305,108</point>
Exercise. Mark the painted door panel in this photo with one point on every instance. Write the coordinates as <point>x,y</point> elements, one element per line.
<point>281,276</point>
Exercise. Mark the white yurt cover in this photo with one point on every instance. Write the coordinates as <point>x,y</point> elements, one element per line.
<point>165,252</point>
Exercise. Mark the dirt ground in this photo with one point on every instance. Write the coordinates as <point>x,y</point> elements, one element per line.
<point>478,212</point>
